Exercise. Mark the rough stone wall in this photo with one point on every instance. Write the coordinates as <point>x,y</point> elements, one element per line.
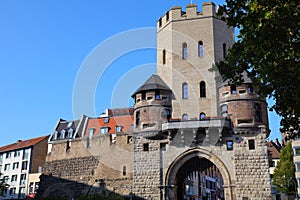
<point>146,166</point>
<point>101,166</point>
<point>252,169</point>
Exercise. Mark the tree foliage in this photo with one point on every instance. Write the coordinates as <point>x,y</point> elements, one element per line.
<point>3,185</point>
<point>268,50</point>
<point>284,173</point>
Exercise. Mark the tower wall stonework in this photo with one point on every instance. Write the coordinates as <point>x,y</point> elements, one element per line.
<point>147,169</point>
<point>191,27</point>
<point>252,169</point>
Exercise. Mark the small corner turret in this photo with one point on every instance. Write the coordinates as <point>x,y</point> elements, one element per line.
<point>152,105</point>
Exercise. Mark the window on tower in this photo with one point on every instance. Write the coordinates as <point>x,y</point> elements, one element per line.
<point>233,89</point>
<point>200,49</point>
<point>224,50</point>
<point>184,90</point>
<point>202,89</point>
<point>137,118</point>
<point>164,57</point>
<point>184,51</point>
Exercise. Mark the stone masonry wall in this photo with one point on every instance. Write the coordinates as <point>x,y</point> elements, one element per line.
<point>146,166</point>
<point>252,169</point>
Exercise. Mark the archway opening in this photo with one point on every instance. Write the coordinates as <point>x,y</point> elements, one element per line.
<point>199,178</point>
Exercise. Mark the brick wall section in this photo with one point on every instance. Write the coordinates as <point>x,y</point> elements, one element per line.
<point>146,169</point>
<point>252,169</point>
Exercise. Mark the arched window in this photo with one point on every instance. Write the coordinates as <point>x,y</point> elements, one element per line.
<point>164,57</point>
<point>202,116</point>
<point>202,89</point>
<point>184,90</point>
<point>185,116</point>
<point>224,50</point>
<point>184,51</point>
<point>200,49</point>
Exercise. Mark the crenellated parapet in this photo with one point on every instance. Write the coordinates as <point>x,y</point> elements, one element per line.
<point>177,14</point>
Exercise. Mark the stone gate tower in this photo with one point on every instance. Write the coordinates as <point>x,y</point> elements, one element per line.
<point>194,137</point>
<point>189,43</point>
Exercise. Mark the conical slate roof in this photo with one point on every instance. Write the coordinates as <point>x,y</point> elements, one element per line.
<point>153,83</point>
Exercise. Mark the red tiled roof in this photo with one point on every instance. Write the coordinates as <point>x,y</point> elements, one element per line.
<point>22,144</point>
<point>125,121</point>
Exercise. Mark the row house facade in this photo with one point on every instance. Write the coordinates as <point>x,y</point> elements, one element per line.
<point>18,161</point>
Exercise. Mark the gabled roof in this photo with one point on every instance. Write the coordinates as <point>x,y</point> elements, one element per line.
<point>153,83</point>
<point>22,144</point>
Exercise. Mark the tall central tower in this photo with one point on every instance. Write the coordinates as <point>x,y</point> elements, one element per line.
<point>189,43</point>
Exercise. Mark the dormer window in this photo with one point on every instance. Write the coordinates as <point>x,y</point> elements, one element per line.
<point>104,130</point>
<point>118,129</point>
<point>70,133</point>
<point>62,136</point>
<point>55,135</point>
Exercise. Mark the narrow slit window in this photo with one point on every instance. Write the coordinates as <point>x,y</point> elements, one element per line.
<point>184,90</point>
<point>164,57</point>
<point>184,51</point>
<point>224,50</point>
<point>200,49</point>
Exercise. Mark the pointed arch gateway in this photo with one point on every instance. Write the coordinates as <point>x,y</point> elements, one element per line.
<point>173,191</point>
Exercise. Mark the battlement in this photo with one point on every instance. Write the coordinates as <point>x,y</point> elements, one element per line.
<point>176,13</point>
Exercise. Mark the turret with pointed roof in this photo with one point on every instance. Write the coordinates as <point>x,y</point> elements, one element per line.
<point>153,105</point>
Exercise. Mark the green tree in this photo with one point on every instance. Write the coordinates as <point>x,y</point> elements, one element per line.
<point>268,50</point>
<point>284,173</point>
<point>3,185</point>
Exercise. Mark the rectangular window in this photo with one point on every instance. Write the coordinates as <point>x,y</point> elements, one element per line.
<point>137,118</point>
<point>17,153</point>
<point>118,129</point>
<point>251,144</point>
<point>124,170</point>
<point>6,167</point>
<point>157,95</point>
<point>15,165</point>
<point>1,158</point>
<point>31,188</point>
<point>5,179</point>
<point>25,154</point>
<point>297,165</point>
<point>23,179</point>
<point>233,89</point>
<point>12,191</point>
<point>297,151</point>
<point>24,165</point>
<point>37,184</point>
<point>106,120</point>
<point>129,139</point>
<point>104,130</point>
<point>163,146</point>
<point>229,145</point>
<point>146,147</point>
<point>14,178</point>
<point>8,155</point>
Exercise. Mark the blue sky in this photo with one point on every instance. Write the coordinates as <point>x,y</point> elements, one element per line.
<point>43,46</point>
